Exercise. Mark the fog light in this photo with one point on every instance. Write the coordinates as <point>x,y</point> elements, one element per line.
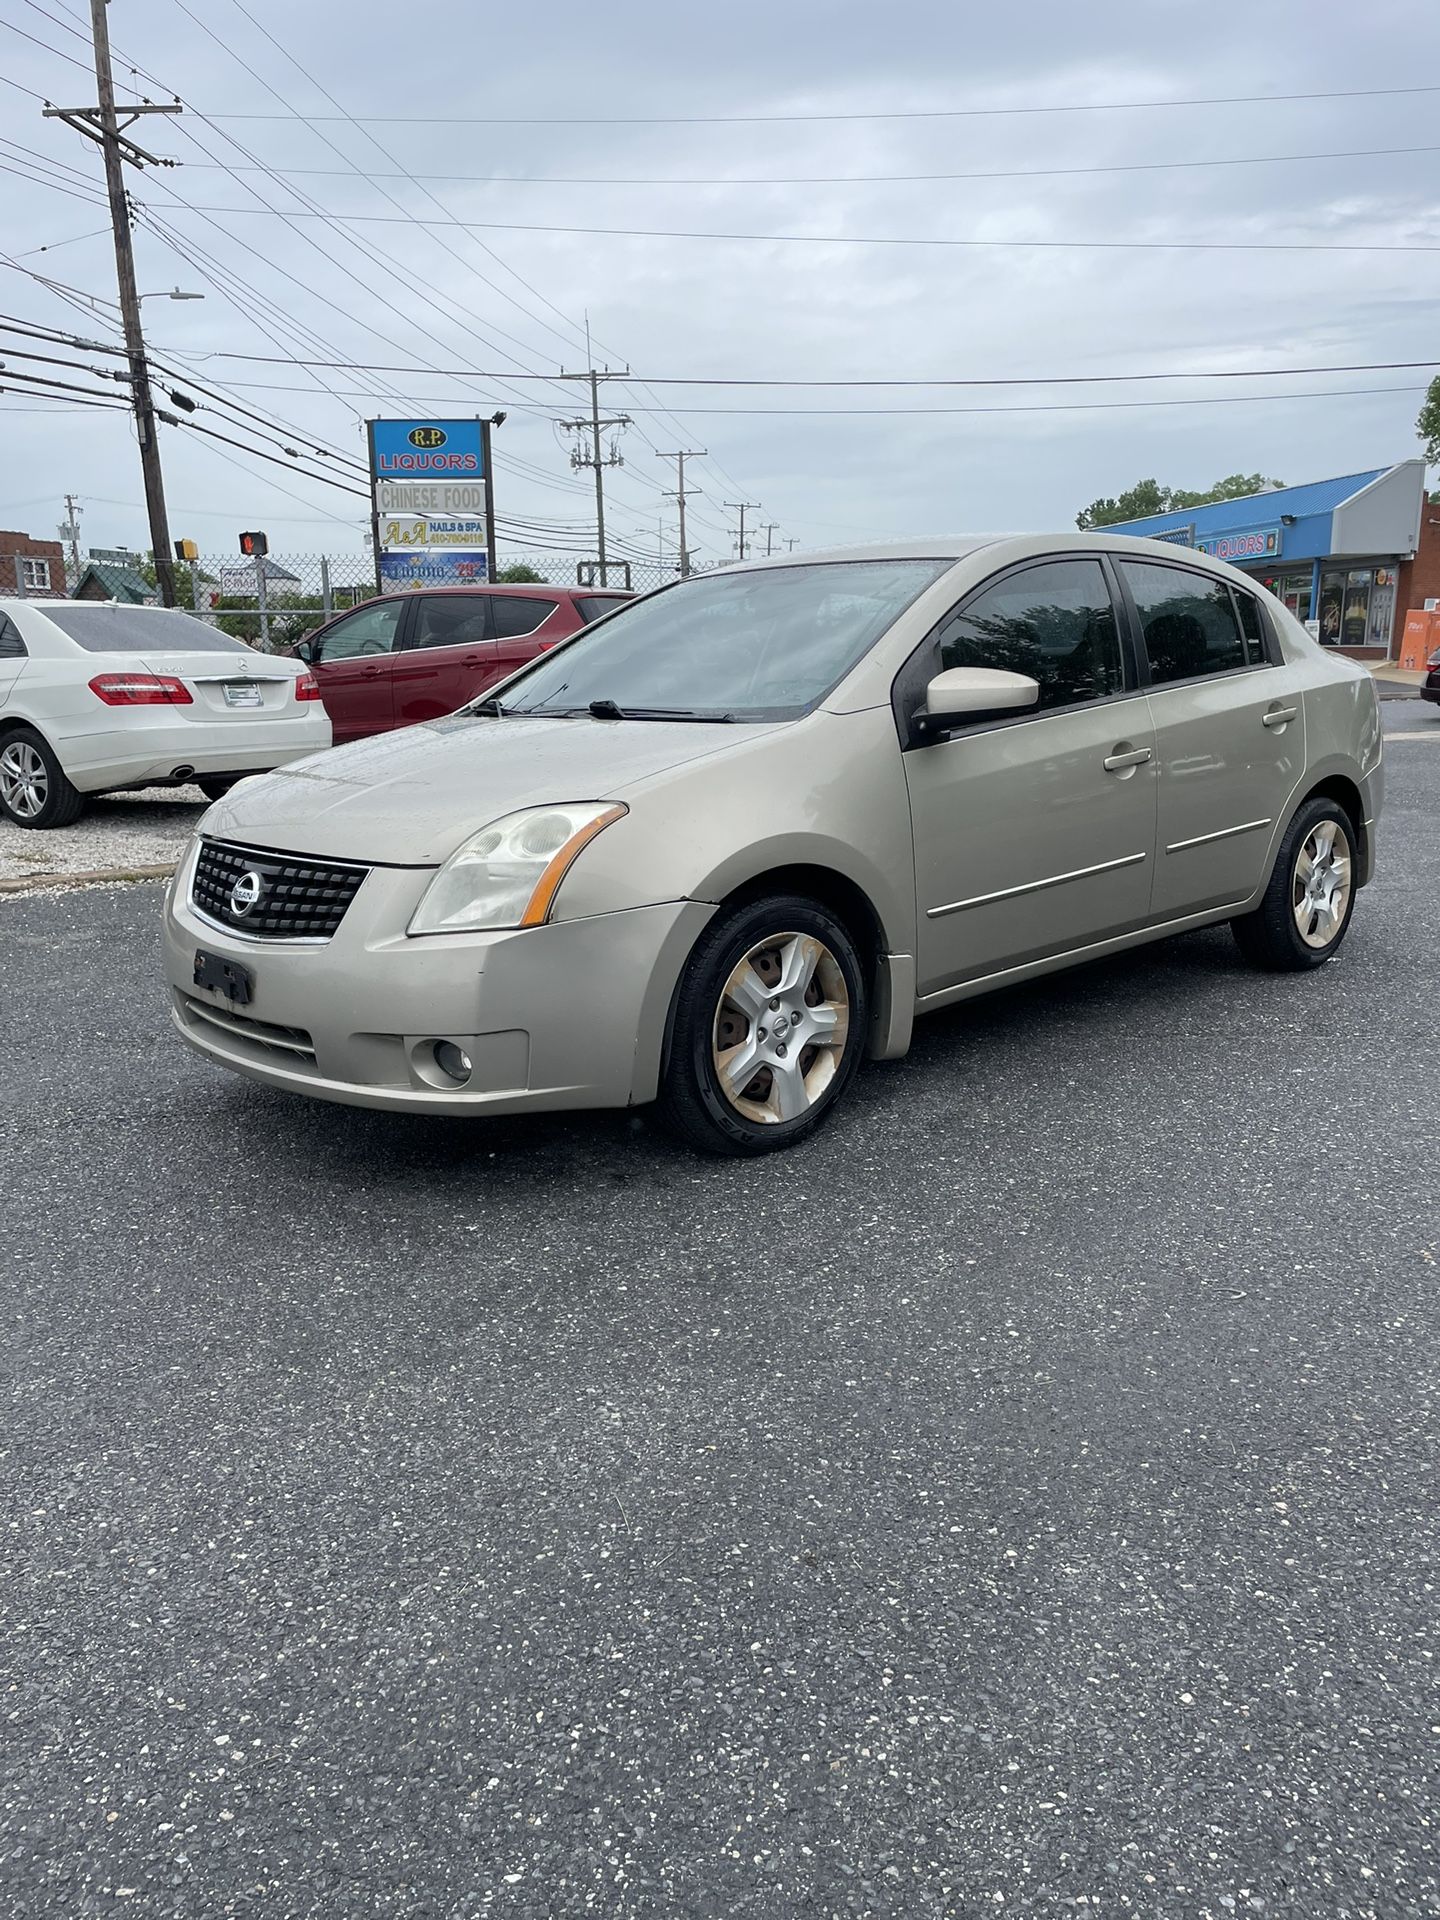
<point>454,1061</point>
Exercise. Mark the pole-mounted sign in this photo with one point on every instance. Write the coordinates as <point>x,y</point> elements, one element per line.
<point>432,503</point>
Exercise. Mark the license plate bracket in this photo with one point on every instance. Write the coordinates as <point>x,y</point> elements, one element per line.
<point>241,693</point>
<point>213,974</point>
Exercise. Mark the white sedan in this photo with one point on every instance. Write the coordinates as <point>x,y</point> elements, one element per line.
<point>96,696</point>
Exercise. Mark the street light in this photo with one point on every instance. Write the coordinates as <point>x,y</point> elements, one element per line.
<point>173,293</point>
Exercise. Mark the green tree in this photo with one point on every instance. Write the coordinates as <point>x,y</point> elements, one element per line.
<point>1428,425</point>
<point>517,574</point>
<point>184,581</point>
<point>1148,496</point>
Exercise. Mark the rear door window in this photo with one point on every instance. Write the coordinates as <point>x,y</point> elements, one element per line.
<point>451,620</point>
<point>1055,623</point>
<point>1188,621</point>
<point>519,614</point>
<point>1252,625</point>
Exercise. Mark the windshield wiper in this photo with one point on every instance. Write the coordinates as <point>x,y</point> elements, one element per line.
<point>608,710</point>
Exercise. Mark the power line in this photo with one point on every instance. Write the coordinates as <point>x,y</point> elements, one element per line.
<point>799,119</point>
<point>380,259</point>
<point>941,380</point>
<point>46,47</point>
<point>839,239</point>
<point>384,152</point>
<point>1059,406</point>
<point>835,179</point>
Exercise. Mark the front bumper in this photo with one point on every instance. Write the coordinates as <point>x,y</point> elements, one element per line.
<point>570,1014</point>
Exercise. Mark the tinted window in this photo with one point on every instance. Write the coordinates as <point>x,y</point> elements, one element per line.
<point>371,630</point>
<point>100,628</point>
<point>12,647</point>
<point>445,620</point>
<point>515,614</point>
<point>1188,621</point>
<point>590,606</point>
<point>1053,622</point>
<point>764,645</point>
<point>1251,627</point>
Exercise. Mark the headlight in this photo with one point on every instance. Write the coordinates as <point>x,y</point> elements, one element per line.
<point>507,875</point>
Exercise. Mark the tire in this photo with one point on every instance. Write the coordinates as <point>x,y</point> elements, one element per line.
<point>215,786</point>
<point>724,1004</point>
<point>1313,883</point>
<point>34,791</point>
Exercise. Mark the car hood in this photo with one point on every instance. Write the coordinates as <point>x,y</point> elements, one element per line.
<point>410,798</point>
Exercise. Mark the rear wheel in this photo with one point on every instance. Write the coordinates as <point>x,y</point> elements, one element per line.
<point>215,786</point>
<point>34,791</point>
<point>1306,910</point>
<point>769,1026</point>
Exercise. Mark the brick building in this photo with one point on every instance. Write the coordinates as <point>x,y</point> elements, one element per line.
<point>1348,556</point>
<point>34,569</point>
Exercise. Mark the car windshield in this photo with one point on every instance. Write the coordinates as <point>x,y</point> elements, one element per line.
<point>764,645</point>
<point>101,628</point>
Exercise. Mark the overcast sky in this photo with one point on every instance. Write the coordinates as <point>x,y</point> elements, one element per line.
<point>398,293</point>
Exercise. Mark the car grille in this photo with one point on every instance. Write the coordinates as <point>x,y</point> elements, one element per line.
<point>297,898</point>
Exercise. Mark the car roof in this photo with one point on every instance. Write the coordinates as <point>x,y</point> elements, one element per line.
<point>524,589</point>
<point>1003,548</point>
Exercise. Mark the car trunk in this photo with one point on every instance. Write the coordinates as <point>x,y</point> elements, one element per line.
<point>221,686</point>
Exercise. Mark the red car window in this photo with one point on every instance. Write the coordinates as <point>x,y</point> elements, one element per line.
<point>519,613</point>
<point>449,620</point>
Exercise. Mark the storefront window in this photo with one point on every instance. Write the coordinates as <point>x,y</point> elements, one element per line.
<point>1354,623</point>
<point>1382,608</point>
<point>1290,586</point>
<point>1357,606</point>
<point>1332,605</point>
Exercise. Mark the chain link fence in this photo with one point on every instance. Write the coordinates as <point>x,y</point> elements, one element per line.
<point>272,603</point>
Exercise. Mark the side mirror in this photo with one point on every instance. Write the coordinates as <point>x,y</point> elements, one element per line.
<point>306,650</point>
<point>967,693</point>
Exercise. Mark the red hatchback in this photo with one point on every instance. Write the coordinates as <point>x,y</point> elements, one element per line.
<point>406,657</point>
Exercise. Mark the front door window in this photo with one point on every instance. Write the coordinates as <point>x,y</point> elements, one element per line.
<point>371,630</point>
<point>1053,623</point>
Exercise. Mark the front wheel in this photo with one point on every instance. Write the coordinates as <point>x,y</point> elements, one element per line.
<point>770,1022</point>
<point>1306,909</point>
<point>34,790</point>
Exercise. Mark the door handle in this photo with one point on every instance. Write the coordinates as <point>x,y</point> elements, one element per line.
<point>1279,716</point>
<point>1119,762</point>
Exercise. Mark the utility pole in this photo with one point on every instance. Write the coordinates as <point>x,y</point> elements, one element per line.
<point>770,529</point>
<point>102,125</point>
<point>597,457</point>
<point>69,532</point>
<point>790,545</point>
<point>682,495</point>
<point>742,507</point>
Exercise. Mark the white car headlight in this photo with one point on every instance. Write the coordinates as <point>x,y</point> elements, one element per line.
<point>507,875</point>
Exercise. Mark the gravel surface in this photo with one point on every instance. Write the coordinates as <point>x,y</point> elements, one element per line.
<point>1021,1499</point>
<point>119,830</point>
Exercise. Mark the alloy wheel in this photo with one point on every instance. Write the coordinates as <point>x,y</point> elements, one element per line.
<point>781,1028</point>
<point>24,783</point>
<point>1320,888</point>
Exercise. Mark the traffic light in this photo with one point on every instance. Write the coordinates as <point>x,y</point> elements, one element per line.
<point>253,545</point>
<point>186,550</point>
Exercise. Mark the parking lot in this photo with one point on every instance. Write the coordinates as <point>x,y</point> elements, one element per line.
<point>1018,1499</point>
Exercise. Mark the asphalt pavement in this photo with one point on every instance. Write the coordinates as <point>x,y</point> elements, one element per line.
<point>1019,1499</point>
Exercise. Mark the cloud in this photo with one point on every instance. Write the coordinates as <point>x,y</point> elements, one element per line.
<point>422,294</point>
